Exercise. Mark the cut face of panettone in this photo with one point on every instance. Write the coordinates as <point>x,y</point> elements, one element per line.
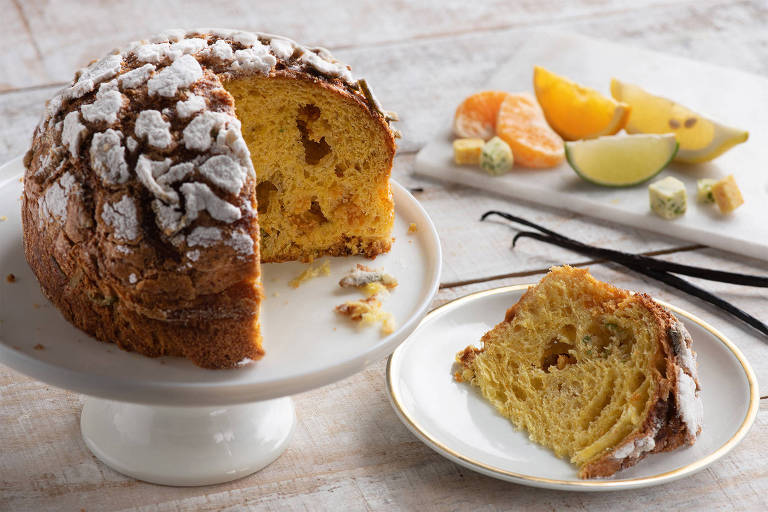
<point>164,173</point>
<point>601,376</point>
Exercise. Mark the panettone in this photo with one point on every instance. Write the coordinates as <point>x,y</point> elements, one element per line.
<point>600,375</point>
<point>165,172</point>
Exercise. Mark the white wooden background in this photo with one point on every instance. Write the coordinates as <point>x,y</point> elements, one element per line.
<point>350,452</point>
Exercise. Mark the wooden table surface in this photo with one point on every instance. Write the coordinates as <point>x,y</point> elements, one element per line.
<point>350,452</point>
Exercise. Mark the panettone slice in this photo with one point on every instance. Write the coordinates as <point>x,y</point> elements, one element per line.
<point>600,375</point>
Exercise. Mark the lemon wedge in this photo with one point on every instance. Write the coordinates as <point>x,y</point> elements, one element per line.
<point>575,111</point>
<point>701,139</point>
<point>621,160</point>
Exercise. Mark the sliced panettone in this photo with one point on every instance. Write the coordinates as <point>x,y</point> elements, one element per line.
<point>148,172</point>
<point>600,375</point>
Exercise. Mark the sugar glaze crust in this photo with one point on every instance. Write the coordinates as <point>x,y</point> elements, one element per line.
<point>139,192</point>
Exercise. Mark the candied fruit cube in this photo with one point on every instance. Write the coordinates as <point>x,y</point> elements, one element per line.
<point>704,190</point>
<point>668,197</point>
<point>727,194</point>
<point>497,156</point>
<point>467,151</point>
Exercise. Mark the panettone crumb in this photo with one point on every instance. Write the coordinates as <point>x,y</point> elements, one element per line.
<point>412,228</point>
<point>10,278</point>
<point>312,271</point>
<point>39,346</point>
<point>368,312</point>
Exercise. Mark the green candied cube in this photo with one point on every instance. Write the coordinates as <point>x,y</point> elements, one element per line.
<point>704,190</point>
<point>668,197</point>
<point>496,157</point>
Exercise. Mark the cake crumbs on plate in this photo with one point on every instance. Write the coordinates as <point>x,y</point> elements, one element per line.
<point>412,228</point>
<point>3,218</point>
<point>39,346</point>
<point>367,280</point>
<point>312,271</point>
<point>368,312</point>
<point>10,278</point>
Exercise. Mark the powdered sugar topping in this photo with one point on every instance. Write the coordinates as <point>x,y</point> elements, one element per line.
<point>93,75</point>
<point>192,105</point>
<point>108,157</point>
<point>150,124</point>
<point>681,344</point>
<point>122,217</point>
<point>147,171</point>
<point>282,48</point>
<point>689,403</point>
<point>197,134</point>
<point>224,172</point>
<point>254,59</point>
<point>53,204</point>
<point>183,72</point>
<point>105,108</point>
<point>199,197</point>
<point>241,242</point>
<point>204,237</point>
<point>73,132</point>
<point>136,77</point>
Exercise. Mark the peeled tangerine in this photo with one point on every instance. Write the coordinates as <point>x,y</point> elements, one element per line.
<point>522,125</point>
<point>701,139</point>
<point>577,112</point>
<point>475,117</point>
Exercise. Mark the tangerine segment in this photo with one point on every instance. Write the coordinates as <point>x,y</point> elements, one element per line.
<point>522,125</point>
<point>475,117</point>
<point>577,112</point>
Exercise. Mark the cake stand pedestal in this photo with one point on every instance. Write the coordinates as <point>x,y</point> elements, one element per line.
<point>169,422</point>
<point>187,445</point>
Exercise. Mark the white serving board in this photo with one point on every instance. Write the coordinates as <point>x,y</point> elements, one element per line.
<point>733,97</point>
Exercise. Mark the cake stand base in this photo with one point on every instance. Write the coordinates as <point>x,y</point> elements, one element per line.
<point>187,446</point>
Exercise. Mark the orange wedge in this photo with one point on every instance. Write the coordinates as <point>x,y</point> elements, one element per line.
<point>522,125</point>
<point>475,118</point>
<point>577,112</point>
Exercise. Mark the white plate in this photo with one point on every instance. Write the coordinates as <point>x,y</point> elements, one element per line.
<point>453,419</point>
<point>307,344</point>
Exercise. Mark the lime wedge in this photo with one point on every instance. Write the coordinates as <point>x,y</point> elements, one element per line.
<point>621,160</point>
<point>701,139</point>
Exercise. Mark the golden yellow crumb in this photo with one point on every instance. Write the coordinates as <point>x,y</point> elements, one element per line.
<point>3,218</point>
<point>312,271</point>
<point>412,228</point>
<point>371,289</point>
<point>368,312</point>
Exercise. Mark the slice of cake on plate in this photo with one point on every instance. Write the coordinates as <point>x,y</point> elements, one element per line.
<point>599,375</point>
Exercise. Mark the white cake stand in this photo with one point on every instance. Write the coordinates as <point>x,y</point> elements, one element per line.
<point>166,421</point>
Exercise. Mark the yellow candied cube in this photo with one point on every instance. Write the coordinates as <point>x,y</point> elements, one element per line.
<point>727,194</point>
<point>467,151</point>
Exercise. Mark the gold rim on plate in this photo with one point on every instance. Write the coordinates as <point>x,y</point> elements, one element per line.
<point>660,478</point>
